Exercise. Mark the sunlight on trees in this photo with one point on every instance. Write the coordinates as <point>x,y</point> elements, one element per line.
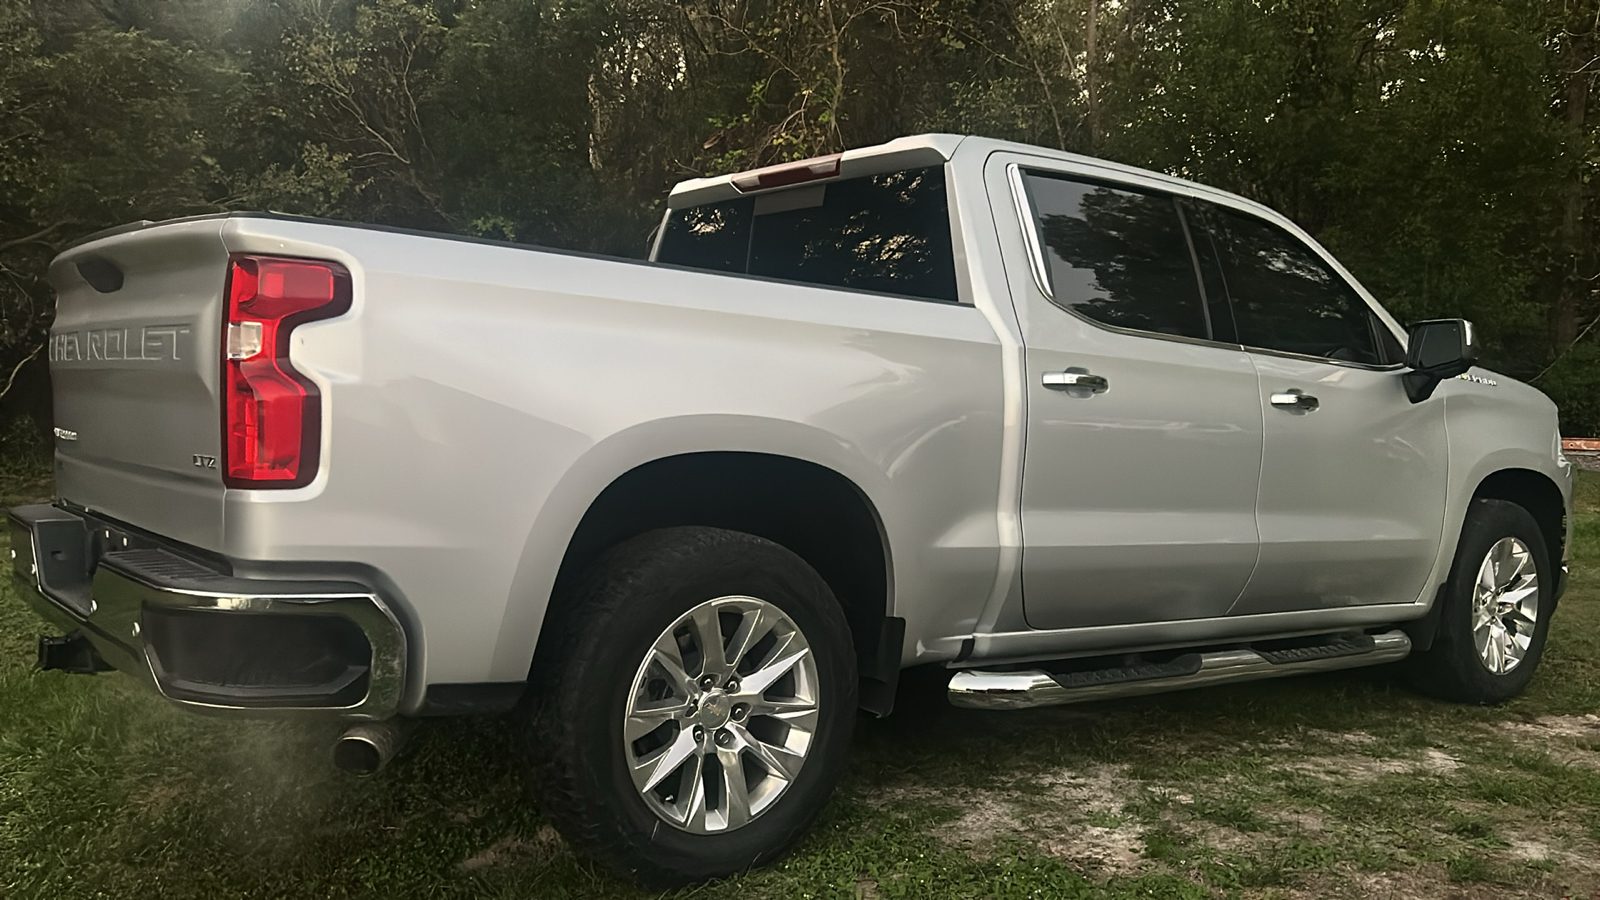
<point>1445,149</point>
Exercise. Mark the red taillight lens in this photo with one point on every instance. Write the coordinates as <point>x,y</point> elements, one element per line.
<point>785,174</point>
<point>271,414</point>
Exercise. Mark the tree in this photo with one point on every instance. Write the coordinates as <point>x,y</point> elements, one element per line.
<point>1445,149</point>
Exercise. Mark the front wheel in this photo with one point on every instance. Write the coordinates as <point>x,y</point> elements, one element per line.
<point>1496,609</point>
<point>691,716</point>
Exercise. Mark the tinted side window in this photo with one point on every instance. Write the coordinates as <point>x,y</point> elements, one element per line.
<point>1285,298</point>
<point>1388,345</point>
<point>887,233</point>
<point>1118,256</point>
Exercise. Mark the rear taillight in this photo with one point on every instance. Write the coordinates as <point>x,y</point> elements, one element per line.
<point>271,414</point>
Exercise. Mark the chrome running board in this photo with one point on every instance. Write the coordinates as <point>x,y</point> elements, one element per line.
<point>979,689</point>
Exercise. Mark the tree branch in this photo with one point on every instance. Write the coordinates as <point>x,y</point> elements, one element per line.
<point>29,239</point>
<point>18,367</point>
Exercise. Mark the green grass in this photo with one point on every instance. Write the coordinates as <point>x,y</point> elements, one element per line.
<point>1318,786</point>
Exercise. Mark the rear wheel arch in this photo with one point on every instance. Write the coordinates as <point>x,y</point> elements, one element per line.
<point>814,511</point>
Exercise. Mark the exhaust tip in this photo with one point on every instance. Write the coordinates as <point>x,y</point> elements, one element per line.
<point>357,756</point>
<point>364,749</point>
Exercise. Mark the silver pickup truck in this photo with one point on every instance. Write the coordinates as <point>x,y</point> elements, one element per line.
<point>1069,429</point>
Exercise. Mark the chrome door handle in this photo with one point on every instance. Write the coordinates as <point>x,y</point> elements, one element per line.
<point>1295,399</point>
<point>1095,384</point>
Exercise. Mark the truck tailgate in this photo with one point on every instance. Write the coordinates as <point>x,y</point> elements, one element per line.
<point>135,364</point>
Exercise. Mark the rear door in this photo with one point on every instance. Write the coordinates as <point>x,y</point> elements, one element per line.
<point>1144,425</point>
<point>1353,483</point>
<point>134,366</point>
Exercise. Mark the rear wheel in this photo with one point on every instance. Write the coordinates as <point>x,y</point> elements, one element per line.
<point>1496,609</point>
<point>691,715</point>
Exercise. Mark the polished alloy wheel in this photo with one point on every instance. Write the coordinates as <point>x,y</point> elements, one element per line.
<point>1505,605</point>
<point>721,714</point>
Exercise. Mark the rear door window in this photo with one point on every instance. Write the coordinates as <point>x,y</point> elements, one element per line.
<point>1118,256</point>
<point>885,233</point>
<point>1285,298</point>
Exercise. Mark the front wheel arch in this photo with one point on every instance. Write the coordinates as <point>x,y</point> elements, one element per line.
<point>1536,493</point>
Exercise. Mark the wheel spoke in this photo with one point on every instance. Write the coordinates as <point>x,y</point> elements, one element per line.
<point>752,627</point>
<point>797,715</point>
<point>779,708</point>
<point>1486,577</point>
<point>653,769</point>
<point>708,633</point>
<point>1520,642</point>
<point>735,792</point>
<point>1519,564</point>
<point>1480,639</point>
<point>1481,616</point>
<point>785,654</point>
<point>644,719</point>
<point>694,813</point>
<point>1524,611</point>
<point>666,657</point>
<point>1500,560</point>
<point>1510,653</point>
<point>1520,593</point>
<point>1480,632</point>
<point>1496,648</point>
<point>781,762</point>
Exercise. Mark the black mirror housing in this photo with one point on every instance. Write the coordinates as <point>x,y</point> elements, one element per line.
<point>1437,349</point>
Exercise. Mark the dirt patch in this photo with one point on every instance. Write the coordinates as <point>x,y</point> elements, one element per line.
<point>1073,816</point>
<point>1345,738</point>
<point>1585,726</point>
<point>1303,819</point>
<point>1532,850</point>
<point>1361,768</point>
<point>1528,851</point>
<point>1426,882</point>
<point>1439,762</point>
<point>1115,851</point>
<point>544,844</point>
<point>1570,740</point>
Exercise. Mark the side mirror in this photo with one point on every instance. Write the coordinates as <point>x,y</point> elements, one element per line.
<point>1438,349</point>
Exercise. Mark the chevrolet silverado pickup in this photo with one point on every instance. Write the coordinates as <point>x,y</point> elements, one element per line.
<point>1069,429</point>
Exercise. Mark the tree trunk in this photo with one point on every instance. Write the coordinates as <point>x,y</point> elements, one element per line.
<point>1574,286</point>
<point>1091,66</point>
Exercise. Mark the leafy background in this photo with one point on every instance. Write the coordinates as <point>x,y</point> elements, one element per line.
<point>1444,149</point>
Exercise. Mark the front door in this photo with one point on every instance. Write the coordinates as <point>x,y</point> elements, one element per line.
<point>1353,484</point>
<point>1144,432</point>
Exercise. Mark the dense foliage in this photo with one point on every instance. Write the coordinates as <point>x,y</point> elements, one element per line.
<point>1444,149</point>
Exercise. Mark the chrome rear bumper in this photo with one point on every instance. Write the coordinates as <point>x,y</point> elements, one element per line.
<point>205,639</point>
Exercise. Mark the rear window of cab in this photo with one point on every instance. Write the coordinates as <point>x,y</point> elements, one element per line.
<point>886,233</point>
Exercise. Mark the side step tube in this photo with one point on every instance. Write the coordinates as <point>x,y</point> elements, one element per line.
<point>979,689</point>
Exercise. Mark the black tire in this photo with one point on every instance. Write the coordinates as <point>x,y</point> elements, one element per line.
<point>1452,668</point>
<point>583,676</point>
